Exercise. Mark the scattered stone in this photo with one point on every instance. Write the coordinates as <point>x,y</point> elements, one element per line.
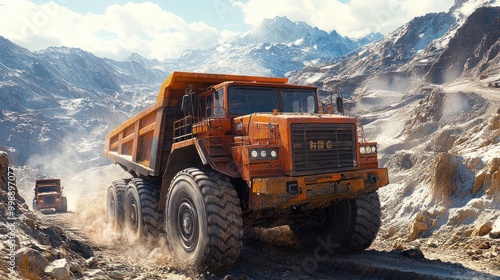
<point>494,234</point>
<point>31,223</point>
<point>421,218</point>
<point>60,253</point>
<point>4,229</point>
<point>417,229</point>
<point>81,248</point>
<point>476,257</point>
<point>398,247</point>
<point>75,268</point>
<point>432,245</point>
<point>31,261</point>
<point>468,232</point>
<point>478,183</point>
<point>484,246</point>
<point>484,229</point>
<point>59,231</point>
<point>55,240</point>
<point>58,269</point>
<point>414,253</point>
<point>30,216</point>
<point>434,223</point>
<point>478,252</point>
<point>91,261</point>
<point>116,275</point>
<point>95,274</point>
<point>470,253</point>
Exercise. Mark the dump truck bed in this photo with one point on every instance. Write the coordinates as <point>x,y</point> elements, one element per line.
<point>142,144</point>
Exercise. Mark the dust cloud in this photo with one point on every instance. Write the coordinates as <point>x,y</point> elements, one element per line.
<point>86,192</point>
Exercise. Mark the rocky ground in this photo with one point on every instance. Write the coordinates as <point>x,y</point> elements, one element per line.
<point>81,245</point>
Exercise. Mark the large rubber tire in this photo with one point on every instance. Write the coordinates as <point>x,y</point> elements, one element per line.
<point>141,208</point>
<point>203,220</point>
<point>349,225</point>
<point>64,206</point>
<point>114,203</point>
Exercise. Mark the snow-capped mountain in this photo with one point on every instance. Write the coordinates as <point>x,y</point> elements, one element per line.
<point>276,47</point>
<point>413,51</point>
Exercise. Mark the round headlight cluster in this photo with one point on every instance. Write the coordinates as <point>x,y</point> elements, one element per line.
<point>271,153</point>
<point>368,150</point>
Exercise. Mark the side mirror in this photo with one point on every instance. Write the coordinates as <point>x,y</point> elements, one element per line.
<point>187,103</point>
<point>340,105</point>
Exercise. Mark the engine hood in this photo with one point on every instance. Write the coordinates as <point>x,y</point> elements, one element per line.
<point>261,126</point>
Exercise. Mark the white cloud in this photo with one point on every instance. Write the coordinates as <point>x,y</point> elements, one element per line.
<point>354,18</point>
<point>133,27</point>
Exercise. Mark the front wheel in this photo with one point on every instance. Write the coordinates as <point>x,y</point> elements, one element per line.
<point>64,206</point>
<point>203,219</point>
<point>349,225</point>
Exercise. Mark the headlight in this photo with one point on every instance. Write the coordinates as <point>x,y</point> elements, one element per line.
<point>254,154</point>
<point>372,149</point>
<point>263,154</point>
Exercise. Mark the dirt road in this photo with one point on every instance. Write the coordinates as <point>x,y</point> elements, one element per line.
<point>267,254</point>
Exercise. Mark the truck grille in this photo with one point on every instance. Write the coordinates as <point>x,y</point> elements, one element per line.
<point>320,148</point>
<point>49,200</point>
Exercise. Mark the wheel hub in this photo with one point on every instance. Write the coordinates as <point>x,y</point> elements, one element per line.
<point>133,215</point>
<point>187,223</point>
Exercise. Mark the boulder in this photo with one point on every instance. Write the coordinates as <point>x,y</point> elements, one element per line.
<point>59,269</point>
<point>483,229</point>
<point>417,229</point>
<point>30,262</point>
<point>75,268</point>
<point>81,248</point>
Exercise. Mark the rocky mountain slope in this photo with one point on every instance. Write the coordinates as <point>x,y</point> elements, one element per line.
<point>423,93</point>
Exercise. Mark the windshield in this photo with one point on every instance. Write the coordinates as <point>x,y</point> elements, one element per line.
<point>47,189</point>
<point>298,100</point>
<point>245,100</point>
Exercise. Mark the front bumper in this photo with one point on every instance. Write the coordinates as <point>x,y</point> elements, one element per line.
<point>315,190</point>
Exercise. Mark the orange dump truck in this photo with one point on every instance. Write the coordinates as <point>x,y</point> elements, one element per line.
<point>49,194</point>
<point>218,153</point>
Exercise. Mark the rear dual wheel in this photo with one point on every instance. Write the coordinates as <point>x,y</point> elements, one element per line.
<point>141,217</point>
<point>114,203</point>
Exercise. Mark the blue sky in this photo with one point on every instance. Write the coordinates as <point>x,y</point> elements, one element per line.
<point>164,29</point>
<point>218,13</point>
